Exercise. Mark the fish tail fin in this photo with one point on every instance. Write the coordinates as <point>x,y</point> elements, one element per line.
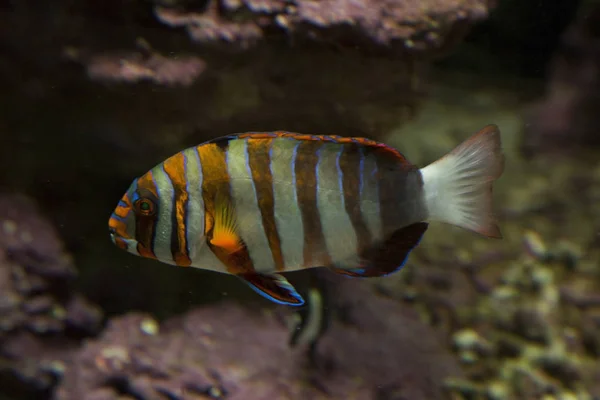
<point>458,186</point>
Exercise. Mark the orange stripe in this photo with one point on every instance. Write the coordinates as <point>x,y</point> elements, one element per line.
<point>146,225</point>
<point>260,166</point>
<point>315,248</point>
<point>174,167</point>
<point>122,211</point>
<point>216,181</point>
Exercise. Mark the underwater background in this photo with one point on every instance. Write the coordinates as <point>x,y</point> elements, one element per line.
<point>96,93</point>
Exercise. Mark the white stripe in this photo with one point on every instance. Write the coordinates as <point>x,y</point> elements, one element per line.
<point>162,238</point>
<point>249,219</point>
<point>338,230</point>
<point>287,213</point>
<point>195,208</point>
<point>369,197</point>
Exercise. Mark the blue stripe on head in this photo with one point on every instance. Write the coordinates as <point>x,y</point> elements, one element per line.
<point>135,196</point>
<point>118,218</point>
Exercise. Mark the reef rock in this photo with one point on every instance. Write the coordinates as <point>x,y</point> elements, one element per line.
<point>378,350</point>
<point>40,318</point>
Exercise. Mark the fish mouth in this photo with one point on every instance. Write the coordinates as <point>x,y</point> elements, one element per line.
<point>117,232</point>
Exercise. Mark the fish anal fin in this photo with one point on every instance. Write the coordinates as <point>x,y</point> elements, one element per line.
<point>387,256</point>
<point>273,287</point>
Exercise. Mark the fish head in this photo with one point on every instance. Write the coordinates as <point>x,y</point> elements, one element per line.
<point>133,223</point>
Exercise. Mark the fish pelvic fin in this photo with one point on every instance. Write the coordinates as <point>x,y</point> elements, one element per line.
<point>273,287</point>
<point>458,186</point>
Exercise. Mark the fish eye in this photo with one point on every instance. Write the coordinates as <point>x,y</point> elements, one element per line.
<point>145,207</point>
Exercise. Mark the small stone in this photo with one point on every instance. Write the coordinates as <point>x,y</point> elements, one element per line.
<point>44,324</point>
<point>535,246</point>
<point>149,326</point>
<point>26,237</point>
<point>568,396</point>
<point>55,367</point>
<point>59,312</point>
<point>38,305</point>
<point>466,339</point>
<point>569,253</point>
<point>497,391</point>
<point>468,357</point>
<point>9,227</point>
<point>8,301</point>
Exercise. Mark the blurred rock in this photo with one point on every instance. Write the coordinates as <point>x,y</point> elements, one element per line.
<point>410,24</point>
<point>568,117</point>
<point>137,66</point>
<point>378,349</point>
<point>41,320</point>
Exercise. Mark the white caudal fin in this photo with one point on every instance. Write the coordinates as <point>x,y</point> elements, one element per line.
<point>458,186</point>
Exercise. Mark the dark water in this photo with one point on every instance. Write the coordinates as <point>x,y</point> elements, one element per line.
<point>95,94</point>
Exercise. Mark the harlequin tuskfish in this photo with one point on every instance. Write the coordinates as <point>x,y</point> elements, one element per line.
<point>256,205</point>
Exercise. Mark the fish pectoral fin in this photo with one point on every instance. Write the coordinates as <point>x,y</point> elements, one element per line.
<point>273,287</point>
<point>225,233</point>
<point>387,256</point>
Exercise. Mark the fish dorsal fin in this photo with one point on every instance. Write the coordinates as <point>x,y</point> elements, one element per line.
<point>273,287</point>
<point>382,148</point>
<point>388,256</point>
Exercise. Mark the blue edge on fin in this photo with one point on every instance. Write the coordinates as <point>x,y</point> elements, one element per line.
<point>362,271</point>
<point>289,288</point>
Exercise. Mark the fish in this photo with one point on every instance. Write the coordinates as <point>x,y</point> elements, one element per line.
<point>259,204</point>
<point>310,322</point>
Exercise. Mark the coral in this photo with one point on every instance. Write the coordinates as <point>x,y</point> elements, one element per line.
<point>41,318</point>
<point>377,349</point>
